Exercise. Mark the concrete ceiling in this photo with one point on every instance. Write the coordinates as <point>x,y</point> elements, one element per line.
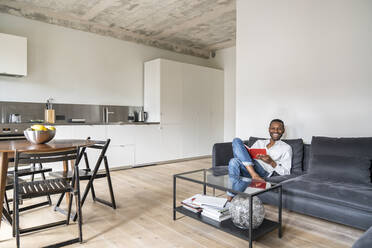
<point>194,27</point>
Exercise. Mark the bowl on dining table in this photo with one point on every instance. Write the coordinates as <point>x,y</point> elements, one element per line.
<point>39,136</point>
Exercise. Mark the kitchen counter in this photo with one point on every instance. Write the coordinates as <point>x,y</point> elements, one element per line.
<point>80,123</point>
<point>12,129</point>
<point>102,123</point>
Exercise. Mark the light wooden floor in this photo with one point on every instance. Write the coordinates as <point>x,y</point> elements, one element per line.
<point>144,218</point>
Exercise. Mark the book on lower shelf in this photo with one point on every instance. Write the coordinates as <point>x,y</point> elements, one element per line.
<point>219,218</point>
<point>215,210</point>
<point>189,204</point>
<point>209,206</point>
<point>216,213</point>
<point>192,209</point>
<point>212,201</point>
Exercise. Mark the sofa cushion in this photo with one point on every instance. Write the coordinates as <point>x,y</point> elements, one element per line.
<point>345,169</point>
<point>221,154</point>
<point>356,196</point>
<point>306,161</point>
<point>297,151</point>
<point>348,147</point>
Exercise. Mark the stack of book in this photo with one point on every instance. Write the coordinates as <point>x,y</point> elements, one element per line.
<point>218,214</point>
<point>208,206</point>
<point>190,204</point>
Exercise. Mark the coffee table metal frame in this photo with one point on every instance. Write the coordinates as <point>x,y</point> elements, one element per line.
<point>227,225</point>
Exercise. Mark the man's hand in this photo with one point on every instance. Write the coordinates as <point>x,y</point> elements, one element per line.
<point>267,159</point>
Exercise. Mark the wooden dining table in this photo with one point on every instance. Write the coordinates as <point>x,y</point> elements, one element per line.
<point>8,148</point>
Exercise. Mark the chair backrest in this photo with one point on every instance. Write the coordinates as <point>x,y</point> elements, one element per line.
<point>100,144</point>
<point>37,157</point>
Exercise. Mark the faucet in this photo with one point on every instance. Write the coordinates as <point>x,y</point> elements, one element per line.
<point>106,114</point>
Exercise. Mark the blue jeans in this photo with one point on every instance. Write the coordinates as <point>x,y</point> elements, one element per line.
<point>238,173</point>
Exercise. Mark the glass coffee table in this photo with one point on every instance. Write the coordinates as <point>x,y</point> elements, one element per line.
<point>217,179</point>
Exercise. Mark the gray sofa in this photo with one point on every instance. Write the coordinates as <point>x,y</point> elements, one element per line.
<point>330,179</point>
<point>365,241</point>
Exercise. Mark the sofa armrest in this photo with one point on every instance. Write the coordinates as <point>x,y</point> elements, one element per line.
<point>280,179</point>
<point>221,154</point>
<point>365,241</point>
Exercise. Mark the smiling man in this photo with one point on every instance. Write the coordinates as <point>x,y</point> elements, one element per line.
<point>277,161</point>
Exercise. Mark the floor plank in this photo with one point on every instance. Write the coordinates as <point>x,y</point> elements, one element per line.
<point>144,218</point>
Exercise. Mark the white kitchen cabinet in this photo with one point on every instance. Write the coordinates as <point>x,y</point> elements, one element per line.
<point>136,145</point>
<point>171,142</point>
<point>170,92</point>
<point>121,152</point>
<point>191,112</point>
<point>148,144</point>
<point>191,106</point>
<point>97,132</point>
<point>121,155</point>
<point>13,55</point>
<point>122,134</point>
<point>64,132</point>
<point>152,91</point>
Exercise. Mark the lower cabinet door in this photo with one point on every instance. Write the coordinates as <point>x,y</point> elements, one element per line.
<point>64,132</point>
<point>148,145</point>
<point>121,155</point>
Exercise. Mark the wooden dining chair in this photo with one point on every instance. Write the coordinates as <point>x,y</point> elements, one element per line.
<point>91,175</point>
<point>26,170</point>
<point>39,188</point>
<point>7,211</point>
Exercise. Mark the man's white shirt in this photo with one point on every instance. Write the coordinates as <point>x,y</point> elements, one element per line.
<point>280,152</point>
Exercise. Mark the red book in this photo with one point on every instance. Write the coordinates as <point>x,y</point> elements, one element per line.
<point>255,151</point>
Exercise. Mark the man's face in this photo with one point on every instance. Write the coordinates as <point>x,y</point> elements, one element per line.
<point>276,130</point>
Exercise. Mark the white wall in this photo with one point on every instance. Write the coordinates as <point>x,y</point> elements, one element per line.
<point>225,58</point>
<point>79,67</point>
<point>306,62</point>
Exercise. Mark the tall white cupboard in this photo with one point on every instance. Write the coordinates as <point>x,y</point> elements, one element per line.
<point>187,100</point>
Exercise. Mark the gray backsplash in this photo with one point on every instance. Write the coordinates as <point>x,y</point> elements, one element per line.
<point>91,113</point>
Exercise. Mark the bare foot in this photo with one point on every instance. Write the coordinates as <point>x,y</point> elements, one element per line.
<point>254,174</point>
<point>229,198</point>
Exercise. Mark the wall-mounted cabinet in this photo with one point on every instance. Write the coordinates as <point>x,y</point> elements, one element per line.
<point>13,55</point>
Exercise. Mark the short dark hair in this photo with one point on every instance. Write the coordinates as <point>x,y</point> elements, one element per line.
<point>277,120</point>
